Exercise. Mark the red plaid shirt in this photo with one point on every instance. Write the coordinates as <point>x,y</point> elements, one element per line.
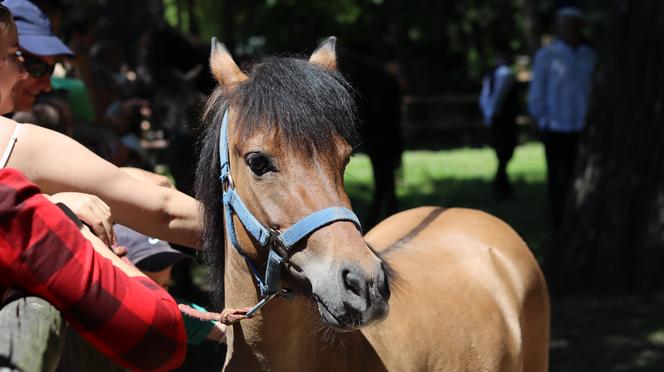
<point>131,320</point>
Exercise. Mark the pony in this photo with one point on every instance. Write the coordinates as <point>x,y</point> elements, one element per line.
<point>426,289</point>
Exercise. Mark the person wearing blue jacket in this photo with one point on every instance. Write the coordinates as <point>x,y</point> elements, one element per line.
<point>558,101</point>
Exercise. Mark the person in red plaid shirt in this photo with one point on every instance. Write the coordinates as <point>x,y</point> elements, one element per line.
<point>125,315</point>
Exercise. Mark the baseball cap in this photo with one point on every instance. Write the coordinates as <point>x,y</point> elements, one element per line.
<point>34,30</point>
<point>146,253</point>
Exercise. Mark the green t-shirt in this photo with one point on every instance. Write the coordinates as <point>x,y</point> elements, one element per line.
<point>78,98</point>
<point>197,330</point>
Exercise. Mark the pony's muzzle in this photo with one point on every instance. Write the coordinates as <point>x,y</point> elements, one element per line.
<point>365,294</point>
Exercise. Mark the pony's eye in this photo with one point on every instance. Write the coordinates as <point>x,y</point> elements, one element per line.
<point>259,163</point>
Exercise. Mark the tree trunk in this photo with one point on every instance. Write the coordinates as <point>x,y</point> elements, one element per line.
<point>613,233</point>
<point>194,29</point>
<point>531,26</point>
<point>228,24</point>
<point>178,9</point>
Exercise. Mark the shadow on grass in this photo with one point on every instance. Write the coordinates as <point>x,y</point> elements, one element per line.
<point>607,333</point>
<point>527,212</point>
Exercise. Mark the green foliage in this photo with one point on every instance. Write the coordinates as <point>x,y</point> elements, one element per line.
<point>442,45</point>
<point>463,178</point>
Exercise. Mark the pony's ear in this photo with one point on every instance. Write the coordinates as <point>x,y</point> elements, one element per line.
<point>325,55</point>
<point>223,67</point>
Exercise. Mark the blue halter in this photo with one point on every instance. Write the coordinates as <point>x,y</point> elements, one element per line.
<point>279,243</point>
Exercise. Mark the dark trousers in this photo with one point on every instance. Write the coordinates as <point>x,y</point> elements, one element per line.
<point>561,149</point>
<point>503,133</point>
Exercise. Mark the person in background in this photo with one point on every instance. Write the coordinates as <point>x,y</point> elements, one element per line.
<point>500,106</point>
<point>41,49</point>
<point>558,101</point>
<point>156,258</point>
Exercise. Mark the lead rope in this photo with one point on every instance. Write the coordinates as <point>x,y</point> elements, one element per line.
<point>230,316</point>
<point>226,316</point>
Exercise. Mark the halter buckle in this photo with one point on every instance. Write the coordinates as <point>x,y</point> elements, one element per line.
<point>226,182</point>
<point>264,302</point>
<point>275,243</point>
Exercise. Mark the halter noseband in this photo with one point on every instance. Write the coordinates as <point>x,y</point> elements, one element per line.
<point>279,243</point>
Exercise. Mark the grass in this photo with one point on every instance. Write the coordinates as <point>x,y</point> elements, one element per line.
<point>462,178</point>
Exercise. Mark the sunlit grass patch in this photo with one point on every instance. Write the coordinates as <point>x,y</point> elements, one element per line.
<point>462,178</point>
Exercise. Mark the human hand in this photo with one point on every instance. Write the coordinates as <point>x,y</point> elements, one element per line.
<point>218,333</point>
<point>91,210</point>
<point>111,253</point>
<point>148,177</point>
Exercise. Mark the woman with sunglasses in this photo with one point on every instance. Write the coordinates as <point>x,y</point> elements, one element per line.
<point>38,80</point>
<point>56,163</point>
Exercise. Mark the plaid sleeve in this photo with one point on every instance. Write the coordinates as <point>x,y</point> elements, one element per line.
<point>131,320</point>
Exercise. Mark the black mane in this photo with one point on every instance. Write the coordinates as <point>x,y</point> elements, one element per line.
<point>304,103</point>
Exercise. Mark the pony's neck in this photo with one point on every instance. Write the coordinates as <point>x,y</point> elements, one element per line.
<point>286,334</point>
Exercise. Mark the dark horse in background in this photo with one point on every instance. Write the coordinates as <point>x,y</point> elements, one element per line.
<point>178,83</point>
<point>379,113</point>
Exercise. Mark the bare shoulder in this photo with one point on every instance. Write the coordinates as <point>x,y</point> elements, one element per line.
<point>36,132</point>
<point>6,128</point>
<point>32,139</point>
<point>28,131</point>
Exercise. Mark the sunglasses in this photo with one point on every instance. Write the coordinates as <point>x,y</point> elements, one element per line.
<point>35,66</point>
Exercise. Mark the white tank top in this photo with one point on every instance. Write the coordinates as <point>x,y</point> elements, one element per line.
<point>10,146</point>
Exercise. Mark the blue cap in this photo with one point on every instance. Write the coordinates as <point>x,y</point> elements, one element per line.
<point>34,30</point>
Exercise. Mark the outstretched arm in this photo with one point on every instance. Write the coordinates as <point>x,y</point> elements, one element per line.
<point>57,163</point>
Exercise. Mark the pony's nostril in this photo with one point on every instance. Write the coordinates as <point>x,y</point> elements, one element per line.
<point>352,282</point>
<point>383,284</point>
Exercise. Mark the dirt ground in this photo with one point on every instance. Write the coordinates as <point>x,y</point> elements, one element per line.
<point>607,333</point>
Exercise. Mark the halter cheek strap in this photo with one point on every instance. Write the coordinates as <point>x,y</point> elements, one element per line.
<point>280,244</point>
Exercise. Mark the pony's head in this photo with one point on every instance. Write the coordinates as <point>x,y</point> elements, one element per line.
<point>290,124</point>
